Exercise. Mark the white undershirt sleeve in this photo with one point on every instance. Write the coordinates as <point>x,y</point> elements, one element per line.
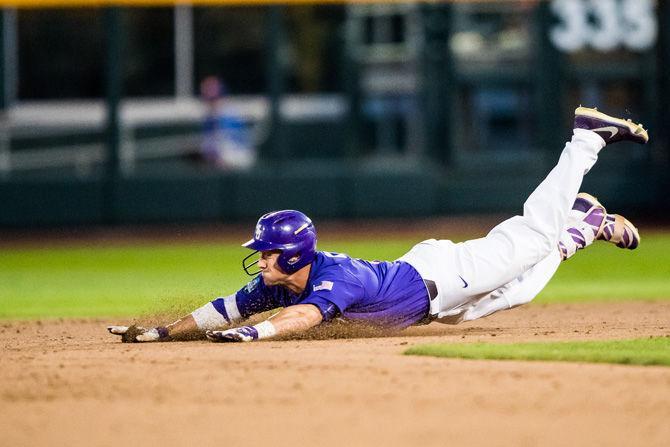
<point>230,303</point>
<point>208,317</point>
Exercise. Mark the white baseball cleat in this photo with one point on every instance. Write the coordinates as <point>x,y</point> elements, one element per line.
<point>588,221</point>
<point>615,228</point>
<point>609,128</point>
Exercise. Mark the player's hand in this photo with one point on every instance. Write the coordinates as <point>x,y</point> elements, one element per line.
<point>136,334</point>
<point>244,333</point>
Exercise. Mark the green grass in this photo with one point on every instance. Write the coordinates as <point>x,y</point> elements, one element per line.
<point>644,351</point>
<point>113,280</point>
<point>605,272</point>
<point>131,280</point>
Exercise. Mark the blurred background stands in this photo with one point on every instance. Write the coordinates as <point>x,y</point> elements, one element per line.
<point>357,110</point>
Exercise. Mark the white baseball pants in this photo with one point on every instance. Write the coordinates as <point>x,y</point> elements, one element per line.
<point>518,257</point>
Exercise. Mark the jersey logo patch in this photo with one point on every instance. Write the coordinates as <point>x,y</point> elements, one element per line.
<point>252,284</point>
<point>325,285</point>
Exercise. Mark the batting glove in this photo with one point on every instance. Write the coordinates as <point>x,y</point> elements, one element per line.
<point>135,334</point>
<point>244,333</point>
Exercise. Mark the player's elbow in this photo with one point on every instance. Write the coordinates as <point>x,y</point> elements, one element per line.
<point>298,317</point>
<point>309,314</point>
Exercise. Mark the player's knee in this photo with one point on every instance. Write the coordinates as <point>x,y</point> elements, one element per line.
<point>542,244</point>
<point>546,244</point>
<point>528,240</point>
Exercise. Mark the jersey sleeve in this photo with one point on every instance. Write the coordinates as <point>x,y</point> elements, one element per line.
<point>251,299</point>
<point>333,297</point>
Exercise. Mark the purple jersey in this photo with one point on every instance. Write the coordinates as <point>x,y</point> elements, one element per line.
<point>388,294</point>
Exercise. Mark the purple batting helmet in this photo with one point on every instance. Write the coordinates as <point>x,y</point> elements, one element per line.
<point>288,231</point>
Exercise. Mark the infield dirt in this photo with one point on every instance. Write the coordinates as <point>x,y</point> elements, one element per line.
<point>69,382</point>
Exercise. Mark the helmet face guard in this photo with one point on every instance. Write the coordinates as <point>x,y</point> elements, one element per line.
<point>248,263</point>
<point>291,233</point>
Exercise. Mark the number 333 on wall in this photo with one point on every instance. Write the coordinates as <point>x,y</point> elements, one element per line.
<point>604,25</point>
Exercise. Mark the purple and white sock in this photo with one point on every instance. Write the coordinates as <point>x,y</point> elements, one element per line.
<point>575,238</point>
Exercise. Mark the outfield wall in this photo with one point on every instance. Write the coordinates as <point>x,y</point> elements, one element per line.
<point>341,190</point>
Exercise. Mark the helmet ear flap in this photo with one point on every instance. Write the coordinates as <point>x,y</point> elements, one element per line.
<point>287,262</point>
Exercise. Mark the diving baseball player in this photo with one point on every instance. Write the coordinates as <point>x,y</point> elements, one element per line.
<point>437,280</point>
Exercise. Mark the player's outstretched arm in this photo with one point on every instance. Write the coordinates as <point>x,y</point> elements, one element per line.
<point>181,329</point>
<point>290,320</point>
<point>217,314</point>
